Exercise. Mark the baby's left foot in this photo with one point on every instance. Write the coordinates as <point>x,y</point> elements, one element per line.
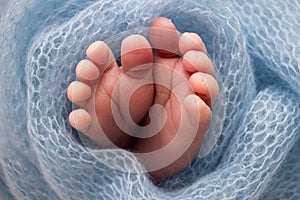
<point>103,89</point>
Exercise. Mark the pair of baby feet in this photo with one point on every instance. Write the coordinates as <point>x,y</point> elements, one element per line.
<point>156,105</point>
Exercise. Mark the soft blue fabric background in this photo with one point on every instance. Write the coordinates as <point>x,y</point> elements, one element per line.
<point>255,48</point>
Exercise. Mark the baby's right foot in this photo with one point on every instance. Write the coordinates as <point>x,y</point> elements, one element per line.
<point>95,92</point>
<point>185,87</point>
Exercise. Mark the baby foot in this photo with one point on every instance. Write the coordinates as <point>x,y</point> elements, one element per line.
<point>184,129</point>
<point>184,87</point>
<point>99,77</point>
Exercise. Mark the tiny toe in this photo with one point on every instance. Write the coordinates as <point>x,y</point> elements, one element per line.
<point>197,61</point>
<point>191,41</point>
<point>164,37</point>
<point>87,71</point>
<point>205,86</point>
<point>199,115</point>
<point>197,109</point>
<point>135,51</point>
<point>78,92</point>
<point>80,120</point>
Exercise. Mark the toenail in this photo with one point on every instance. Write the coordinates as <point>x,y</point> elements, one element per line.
<point>135,44</point>
<point>202,78</point>
<point>192,55</point>
<point>195,54</point>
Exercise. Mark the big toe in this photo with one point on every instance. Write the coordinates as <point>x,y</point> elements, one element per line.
<point>164,37</point>
<point>136,85</point>
<point>135,52</point>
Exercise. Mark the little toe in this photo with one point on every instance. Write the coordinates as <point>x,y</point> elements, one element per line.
<point>164,37</point>
<point>197,61</point>
<point>135,52</point>
<point>199,115</point>
<point>78,92</point>
<point>206,86</point>
<point>191,41</point>
<point>80,120</point>
<point>187,142</point>
<point>195,106</point>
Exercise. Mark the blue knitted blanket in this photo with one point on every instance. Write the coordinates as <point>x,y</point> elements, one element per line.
<point>252,148</point>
